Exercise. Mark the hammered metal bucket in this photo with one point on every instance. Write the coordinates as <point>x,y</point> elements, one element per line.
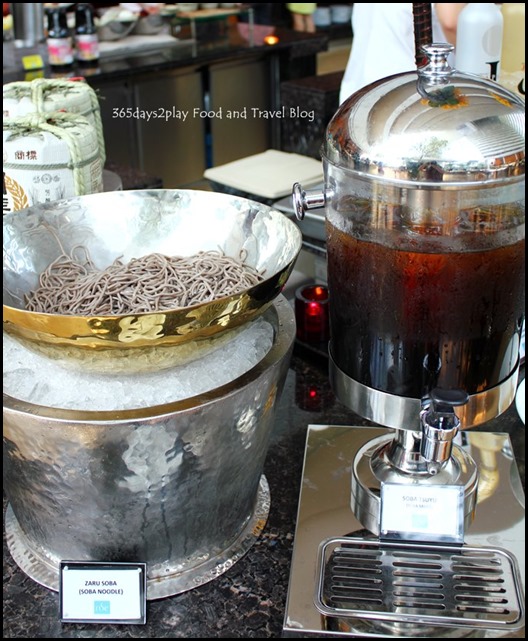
<point>179,486</point>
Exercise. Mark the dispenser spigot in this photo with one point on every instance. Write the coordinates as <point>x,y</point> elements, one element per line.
<point>440,424</point>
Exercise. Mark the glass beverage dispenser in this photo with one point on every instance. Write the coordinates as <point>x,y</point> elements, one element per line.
<point>424,198</point>
<point>424,204</point>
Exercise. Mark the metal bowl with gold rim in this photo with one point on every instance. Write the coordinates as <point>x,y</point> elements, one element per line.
<point>131,224</point>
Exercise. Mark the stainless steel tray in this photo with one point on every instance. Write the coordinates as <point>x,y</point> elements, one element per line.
<point>447,585</point>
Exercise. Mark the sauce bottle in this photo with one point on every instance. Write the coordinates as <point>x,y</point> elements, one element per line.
<point>59,42</point>
<point>86,40</point>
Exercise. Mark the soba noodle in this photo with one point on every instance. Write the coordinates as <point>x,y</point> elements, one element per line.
<point>73,285</point>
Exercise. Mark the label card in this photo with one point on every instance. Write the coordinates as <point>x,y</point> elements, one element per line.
<point>92,592</point>
<point>422,512</point>
<point>32,62</point>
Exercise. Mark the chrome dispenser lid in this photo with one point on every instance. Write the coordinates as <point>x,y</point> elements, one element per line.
<point>434,126</point>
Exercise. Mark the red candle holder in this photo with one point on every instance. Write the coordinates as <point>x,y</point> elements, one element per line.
<point>311,313</point>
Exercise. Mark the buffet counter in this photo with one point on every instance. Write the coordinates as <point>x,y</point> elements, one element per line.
<point>184,104</point>
<point>249,600</point>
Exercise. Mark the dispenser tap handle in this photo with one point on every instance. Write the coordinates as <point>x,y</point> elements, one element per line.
<point>444,400</point>
<point>303,200</point>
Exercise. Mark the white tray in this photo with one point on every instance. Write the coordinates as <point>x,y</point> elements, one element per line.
<point>270,174</point>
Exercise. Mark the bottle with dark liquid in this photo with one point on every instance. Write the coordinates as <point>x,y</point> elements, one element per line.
<point>59,41</point>
<point>86,39</point>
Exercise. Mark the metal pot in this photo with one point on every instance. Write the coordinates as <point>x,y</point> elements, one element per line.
<point>424,202</point>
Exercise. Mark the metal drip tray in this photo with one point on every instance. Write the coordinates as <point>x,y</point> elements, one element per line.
<point>445,585</point>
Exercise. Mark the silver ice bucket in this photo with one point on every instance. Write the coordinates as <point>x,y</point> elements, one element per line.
<point>179,486</point>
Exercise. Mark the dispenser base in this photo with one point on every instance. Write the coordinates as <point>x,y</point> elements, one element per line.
<point>324,512</point>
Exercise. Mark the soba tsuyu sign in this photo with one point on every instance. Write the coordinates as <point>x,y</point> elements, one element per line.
<point>93,592</point>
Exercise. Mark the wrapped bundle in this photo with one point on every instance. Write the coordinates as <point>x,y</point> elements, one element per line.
<point>48,95</point>
<point>48,156</point>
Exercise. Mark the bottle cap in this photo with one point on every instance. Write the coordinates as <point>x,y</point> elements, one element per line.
<point>57,22</point>
<point>84,18</point>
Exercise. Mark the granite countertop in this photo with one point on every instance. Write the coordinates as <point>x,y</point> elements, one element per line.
<point>181,53</point>
<point>247,601</point>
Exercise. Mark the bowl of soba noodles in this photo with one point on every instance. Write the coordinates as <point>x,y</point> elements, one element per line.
<point>131,281</point>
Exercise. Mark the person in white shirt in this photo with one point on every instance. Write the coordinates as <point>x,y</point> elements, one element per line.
<point>383,40</point>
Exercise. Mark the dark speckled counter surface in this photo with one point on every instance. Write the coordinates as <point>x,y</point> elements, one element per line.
<point>248,601</point>
<point>292,45</point>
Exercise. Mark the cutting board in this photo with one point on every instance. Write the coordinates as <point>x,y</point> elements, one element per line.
<point>270,174</point>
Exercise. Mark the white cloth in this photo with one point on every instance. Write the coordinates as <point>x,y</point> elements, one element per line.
<point>138,7</point>
<point>383,43</point>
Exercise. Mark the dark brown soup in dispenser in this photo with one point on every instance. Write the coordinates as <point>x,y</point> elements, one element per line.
<point>412,311</point>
